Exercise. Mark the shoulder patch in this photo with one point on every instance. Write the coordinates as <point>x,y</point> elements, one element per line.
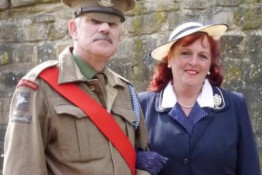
<point>27,83</point>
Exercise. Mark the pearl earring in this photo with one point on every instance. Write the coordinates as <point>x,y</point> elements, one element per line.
<point>208,73</point>
<point>168,66</point>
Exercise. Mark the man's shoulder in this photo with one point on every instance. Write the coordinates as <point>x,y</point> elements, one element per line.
<point>30,80</point>
<point>113,73</point>
<point>33,73</point>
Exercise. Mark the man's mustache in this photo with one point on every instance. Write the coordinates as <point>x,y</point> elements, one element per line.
<point>103,37</point>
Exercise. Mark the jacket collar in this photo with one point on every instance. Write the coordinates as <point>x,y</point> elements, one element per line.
<point>209,97</point>
<point>70,72</point>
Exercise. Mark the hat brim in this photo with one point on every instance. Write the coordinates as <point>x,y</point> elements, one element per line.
<point>130,4</point>
<point>215,31</point>
<point>104,17</point>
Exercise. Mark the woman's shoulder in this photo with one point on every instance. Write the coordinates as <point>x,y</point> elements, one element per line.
<point>230,96</point>
<point>230,93</point>
<point>146,95</point>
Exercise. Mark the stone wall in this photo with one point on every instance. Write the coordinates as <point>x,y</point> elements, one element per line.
<point>32,31</point>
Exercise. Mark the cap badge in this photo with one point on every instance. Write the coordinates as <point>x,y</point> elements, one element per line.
<point>105,3</point>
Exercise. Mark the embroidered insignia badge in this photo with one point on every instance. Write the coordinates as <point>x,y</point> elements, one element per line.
<point>105,3</point>
<point>27,83</point>
<point>22,101</point>
<point>21,119</point>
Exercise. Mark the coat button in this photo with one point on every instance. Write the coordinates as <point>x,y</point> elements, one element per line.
<point>92,88</point>
<point>186,161</point>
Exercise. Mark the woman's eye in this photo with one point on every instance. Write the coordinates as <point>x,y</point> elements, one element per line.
<point>203,57</point>
<point>185,53</point>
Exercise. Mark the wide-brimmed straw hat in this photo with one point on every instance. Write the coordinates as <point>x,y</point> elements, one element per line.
<point>214,30</point>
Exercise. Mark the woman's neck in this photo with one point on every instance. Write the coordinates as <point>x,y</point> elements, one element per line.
<point>186,96</point>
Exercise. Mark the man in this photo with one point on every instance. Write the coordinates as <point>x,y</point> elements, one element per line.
<point>48,133</point>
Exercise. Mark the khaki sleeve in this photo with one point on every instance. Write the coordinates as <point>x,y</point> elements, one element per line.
<point>26,135</point>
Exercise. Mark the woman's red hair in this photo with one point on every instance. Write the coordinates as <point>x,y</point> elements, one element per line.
<point>163,74</point>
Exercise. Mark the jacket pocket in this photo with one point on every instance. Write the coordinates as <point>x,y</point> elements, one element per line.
<point>71,129</point>
<point>127,114</point>
<point>79,138</point>
<point>125,117</point>
<point>67,109</point>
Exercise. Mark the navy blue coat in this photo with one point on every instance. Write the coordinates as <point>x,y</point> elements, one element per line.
<point>221,143</point>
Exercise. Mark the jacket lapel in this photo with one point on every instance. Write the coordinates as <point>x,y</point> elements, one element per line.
<point>221,104</point>
<point>111,96</point>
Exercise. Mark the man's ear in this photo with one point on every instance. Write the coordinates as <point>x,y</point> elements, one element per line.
<point>73,29</point>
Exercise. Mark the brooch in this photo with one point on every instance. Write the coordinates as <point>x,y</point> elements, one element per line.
<point>217,100</point>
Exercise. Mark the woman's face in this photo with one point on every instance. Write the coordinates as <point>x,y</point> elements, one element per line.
<point>190,64</point>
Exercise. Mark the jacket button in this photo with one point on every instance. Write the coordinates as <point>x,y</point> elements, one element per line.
<point>92,88</point>
<point>186,161</point>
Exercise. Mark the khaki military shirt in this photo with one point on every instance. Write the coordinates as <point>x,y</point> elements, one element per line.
<point>47,135</point>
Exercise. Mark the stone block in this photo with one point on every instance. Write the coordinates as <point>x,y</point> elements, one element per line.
<point>4,58</point>
<point>17,3</point>
<point>222,17</point>
<point>230,3</point>
<point>3,4</point>
<point>11,79</point>
<point>176,18</point>
<point>2,135</point>
<point>196,5</point>
<point>34,31</point>
<point>233,45</point>
<point>6,51</point>
<point>9,31</point>
<point>145,24</point>
<point>24,53</point>
<point>253,75</point>
<point>4,119</point>
<point>248,17</point>
<point>158,6</point>
<point>234,72</point>
<point>254,43</point>
<point>46,51</point>
<point>58,30</point>
<point>43,18</point>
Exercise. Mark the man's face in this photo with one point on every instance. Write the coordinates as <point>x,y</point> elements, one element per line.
<point>95,38</point>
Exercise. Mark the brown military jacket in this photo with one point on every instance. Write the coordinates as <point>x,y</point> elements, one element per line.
<point>47,135</point>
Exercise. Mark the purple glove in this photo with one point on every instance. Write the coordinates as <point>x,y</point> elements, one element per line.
<point>150,161</point>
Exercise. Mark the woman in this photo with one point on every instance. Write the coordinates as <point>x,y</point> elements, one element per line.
<point>201,128</point>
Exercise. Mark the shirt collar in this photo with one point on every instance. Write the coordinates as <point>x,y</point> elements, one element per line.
<point>205,98</point>
<point>87,71</point>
